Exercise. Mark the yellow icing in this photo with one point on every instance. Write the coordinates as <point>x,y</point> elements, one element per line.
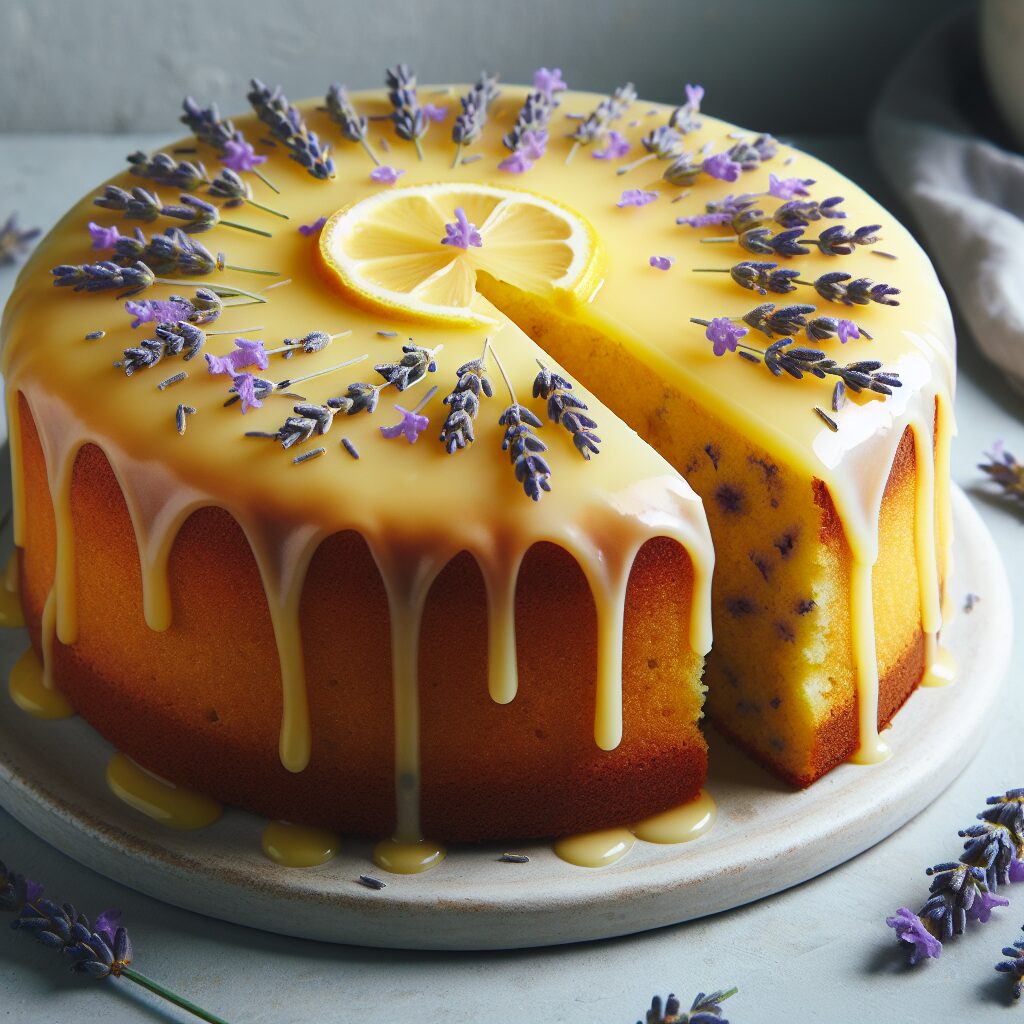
<point>679,824</point>
<point>596,849</point>
<point>418,507</point>
<point>25,685</point>
<point>940,664</point>
<point>163,801</point>
<point>408,857</point>
<point>299,846</point>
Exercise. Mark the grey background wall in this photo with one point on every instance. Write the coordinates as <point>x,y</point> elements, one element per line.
<point>118,65</point>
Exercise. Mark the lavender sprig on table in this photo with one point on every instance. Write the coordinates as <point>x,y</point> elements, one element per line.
<point>685,117</point>
<point>288,127</point>
<point>567,409</point>
<point>596,124</point>
<point>96,949</point>
<point>14,241</point>
<point>706,1008</point>
<point>524,447</point>
<point>176,251</point>
<point>1004,470</point>
<point>1014,966</point>
<point>965,890</point>
<point>165,170</point>
<point>408,118</point>
<point>354,126</point>
<point>475,107</point>
<point>528,138</point>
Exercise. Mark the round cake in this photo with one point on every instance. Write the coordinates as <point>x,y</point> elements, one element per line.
<point>482,610</point>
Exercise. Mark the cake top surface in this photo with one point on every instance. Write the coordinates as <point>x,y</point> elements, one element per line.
<point>419,490</point>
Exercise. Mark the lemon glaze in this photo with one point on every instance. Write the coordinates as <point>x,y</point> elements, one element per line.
<point>601,511</point>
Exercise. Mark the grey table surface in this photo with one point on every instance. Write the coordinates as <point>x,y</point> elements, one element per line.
<point>819,952</point>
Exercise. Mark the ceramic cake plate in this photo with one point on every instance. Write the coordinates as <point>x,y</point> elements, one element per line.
<point>766,838</point>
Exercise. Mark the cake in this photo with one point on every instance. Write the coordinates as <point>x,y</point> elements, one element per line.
<point>391,638</point>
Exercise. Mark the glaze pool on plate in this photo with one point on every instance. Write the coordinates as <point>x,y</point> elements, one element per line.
<point>766,838</point>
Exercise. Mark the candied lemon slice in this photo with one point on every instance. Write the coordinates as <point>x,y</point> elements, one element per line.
<point>387,253</point>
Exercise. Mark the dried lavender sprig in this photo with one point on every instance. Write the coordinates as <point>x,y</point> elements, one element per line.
<point>838,241</point>
<point>415,364</point>
<point>407,117</point>
<point>176,251</point>
<point>834,286</point>
<point>15,242</point>
<point>661,143</point>
<point>757,277</point>
<point>172,339</point>
<point>522,444</point>
<point>751,153</point>
<point>99,949</point>
<point>209,127</point>
<point>165,170</point>
<point>1004,469</point>
<point>286,125</point>
<point>140,204</point>
<point>354,126</point>
<point>475,106</point>
<point>464,403</point>
<point>779,358</point>
<point>597,123</point>
<point>567,409</point>
<point>967,889</point>
<point>1014,966</point>
<point>231,186</point>
<point>762,242</point>
<point>532,119</point>
<point>706,1008</point>
<point>798,213</point>
<point>94,277</point>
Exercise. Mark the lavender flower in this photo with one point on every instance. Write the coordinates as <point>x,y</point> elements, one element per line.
<point>165,170</point>
<point>548,81</point>
<point>414,365</point>
<point>684,170</point>
<point>103,237</point>
<point>239,155</point>
<point>721,166</point>
<point>615,147</point>
<point>411,426</point>
<point>15,242</point>
<point>460,234</point>
<point>662,262</point>
<point>705,220</point>
<point>786,320</point>
<point>788,188</point>
<point>912,932</point>
<point>568,410</point>
<point>724,335</point>
<point>847,331</point>
<point>749,154</point>
<point>245,354</point>
<point>172,251</point>
<point>685,118</point>
<point>94,277</point>
<point>761,277</point>
<point>157,311</point>
<point>385,174</point>
<point>251,390</point>
<point>16,889</point>
<point>407,117</point>
<point>464,404</point>
<point>287,126</point>
<point>636,197</point>
<point>1014,966</point>
<point>762,242</point>
<point>1004,469</point>
<point>312,229</point>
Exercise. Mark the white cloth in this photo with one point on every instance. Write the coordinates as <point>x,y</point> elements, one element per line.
<point>934,132</point>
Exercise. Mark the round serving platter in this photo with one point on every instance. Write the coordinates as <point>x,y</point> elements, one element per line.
<point>766,838</point>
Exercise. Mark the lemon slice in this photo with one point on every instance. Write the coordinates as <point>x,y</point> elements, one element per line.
<point>386,250</point>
